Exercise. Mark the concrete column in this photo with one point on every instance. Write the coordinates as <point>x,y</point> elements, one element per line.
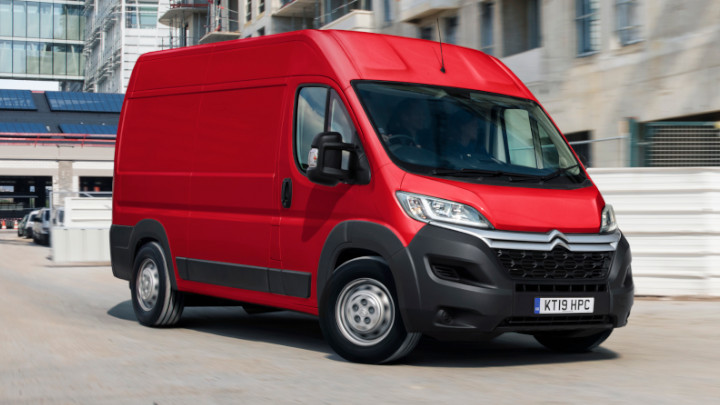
<point>63,182</point>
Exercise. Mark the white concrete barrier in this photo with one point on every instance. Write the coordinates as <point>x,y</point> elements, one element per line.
<point>671,217</point>
<point>80,245</point>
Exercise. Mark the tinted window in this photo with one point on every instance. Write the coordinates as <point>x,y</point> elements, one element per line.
<point>469,134</point>
<point>319,109</point>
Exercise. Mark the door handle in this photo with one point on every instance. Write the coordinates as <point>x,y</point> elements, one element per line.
<point>286,193</point>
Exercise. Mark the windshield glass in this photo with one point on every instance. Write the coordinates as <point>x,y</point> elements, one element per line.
<point>477,136</point>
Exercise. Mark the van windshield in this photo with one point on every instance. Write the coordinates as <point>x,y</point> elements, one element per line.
<point>468,134</point>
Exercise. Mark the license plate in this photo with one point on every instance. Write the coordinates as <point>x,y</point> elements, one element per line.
<point>564,305</point>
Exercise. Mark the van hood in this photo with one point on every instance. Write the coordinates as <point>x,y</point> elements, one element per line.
<point>517,208</point>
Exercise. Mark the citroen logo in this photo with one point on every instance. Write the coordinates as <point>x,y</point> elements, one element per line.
<point>558,238</point>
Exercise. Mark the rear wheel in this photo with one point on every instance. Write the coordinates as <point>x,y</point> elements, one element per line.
<point>359,314</point>
<point>154,301</point>
<point>572,342</point>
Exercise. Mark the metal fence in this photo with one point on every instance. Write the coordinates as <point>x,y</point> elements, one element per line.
<point>682,144</point>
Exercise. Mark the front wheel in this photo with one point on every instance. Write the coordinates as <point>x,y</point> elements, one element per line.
<point>154,301</point>
<point>359,314</point>
<point>572,342</point>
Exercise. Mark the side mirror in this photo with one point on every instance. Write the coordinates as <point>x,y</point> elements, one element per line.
<point>325,159</point>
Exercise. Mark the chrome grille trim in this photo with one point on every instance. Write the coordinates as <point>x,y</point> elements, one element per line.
<point>539,241</point>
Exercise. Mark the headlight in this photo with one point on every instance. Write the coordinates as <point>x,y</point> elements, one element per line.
<point>426,209</point>
<point>607,220</point>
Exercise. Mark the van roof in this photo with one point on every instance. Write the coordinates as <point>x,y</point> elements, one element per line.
<point>342,55</point>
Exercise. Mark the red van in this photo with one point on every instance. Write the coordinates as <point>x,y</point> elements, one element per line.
<point>392,188</point>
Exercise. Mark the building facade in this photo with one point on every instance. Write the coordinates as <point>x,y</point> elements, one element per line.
<point>54,144</point>
<point>42,40</point>
<point>117,32</point>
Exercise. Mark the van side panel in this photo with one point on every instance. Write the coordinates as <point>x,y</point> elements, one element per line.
<point>232,197</point>
<point>152,174</point>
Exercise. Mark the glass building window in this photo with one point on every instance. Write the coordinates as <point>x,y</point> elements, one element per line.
<point>588,27</point>
<point>387,8</point>
<point>73,22</point>
<point>19,56</point>
<point>59,59</point>
<point>33,20</point>
<point>19,19</point>
<point>487,16</point>
<point>5,56</point>
<point>520,26</point>
<point>74,60</point>
<point>59,21</point>
<point>427,33</point>
<point>141,15</point>
<point>261,6</point>
<point>6,18</point>
<point>451,27</point>
<point>248,10</point>
<point>33,58</point>
<point>46,59</point>
<point>628,24</point>
<point>46,20</point>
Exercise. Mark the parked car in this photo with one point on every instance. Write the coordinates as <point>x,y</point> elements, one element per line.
<point>41,227</point>
<point>367,182</point>
<point>28,228</point>
<point>21,225</point>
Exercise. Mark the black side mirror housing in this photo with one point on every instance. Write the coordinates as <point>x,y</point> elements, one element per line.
<point>325,159</point>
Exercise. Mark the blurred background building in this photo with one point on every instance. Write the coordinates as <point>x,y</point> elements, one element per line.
<point>117,32</point>
<point>42,40</point>
<point>54,141</point>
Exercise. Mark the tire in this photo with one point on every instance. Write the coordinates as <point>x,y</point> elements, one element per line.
<point>359,314</point>
<point>154,301</point>
<point>572,342</point>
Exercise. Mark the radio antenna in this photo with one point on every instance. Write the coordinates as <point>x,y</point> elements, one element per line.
<point>442,58</point>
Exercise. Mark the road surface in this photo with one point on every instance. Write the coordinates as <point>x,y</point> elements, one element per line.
<point>68,335</point>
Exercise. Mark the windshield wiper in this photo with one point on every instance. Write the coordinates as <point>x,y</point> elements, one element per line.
<point>466,172</point>
<point>484,173</point>
<point>558,172</point>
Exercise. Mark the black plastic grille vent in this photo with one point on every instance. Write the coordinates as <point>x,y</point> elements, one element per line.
<point>552,288</point>
<point>557,320</point>
<point>557,264</point>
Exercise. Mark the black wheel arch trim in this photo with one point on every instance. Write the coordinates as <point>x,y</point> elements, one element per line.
<point>125,242</point>
<point>369,236</point>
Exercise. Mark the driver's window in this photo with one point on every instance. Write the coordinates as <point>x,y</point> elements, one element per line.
<point>310,119</point>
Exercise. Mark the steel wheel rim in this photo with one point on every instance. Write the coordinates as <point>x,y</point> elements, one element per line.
<point>365,312</point>
<point>148,285</point>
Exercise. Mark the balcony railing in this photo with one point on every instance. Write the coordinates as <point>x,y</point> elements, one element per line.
<point>340,10</point>
<point>298,8</point>
<point>46,139</point>
<point>414,10</point>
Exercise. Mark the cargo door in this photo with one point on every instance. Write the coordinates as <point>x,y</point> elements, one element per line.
<point>232,189</point>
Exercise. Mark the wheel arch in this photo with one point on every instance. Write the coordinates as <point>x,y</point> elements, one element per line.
<point>151,230</point>
<point>353,239</point>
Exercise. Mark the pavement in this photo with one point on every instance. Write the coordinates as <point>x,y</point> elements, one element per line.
<point>68,335</point>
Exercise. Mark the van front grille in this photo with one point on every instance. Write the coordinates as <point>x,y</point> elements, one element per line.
<point>558,263</point>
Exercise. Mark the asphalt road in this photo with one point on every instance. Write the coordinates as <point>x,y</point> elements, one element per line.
<point>68,335</point>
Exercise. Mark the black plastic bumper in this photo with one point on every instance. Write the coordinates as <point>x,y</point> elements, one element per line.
<point>466,292</point>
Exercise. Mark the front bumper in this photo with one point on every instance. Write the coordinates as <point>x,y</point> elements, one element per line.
<point>472,283</point>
